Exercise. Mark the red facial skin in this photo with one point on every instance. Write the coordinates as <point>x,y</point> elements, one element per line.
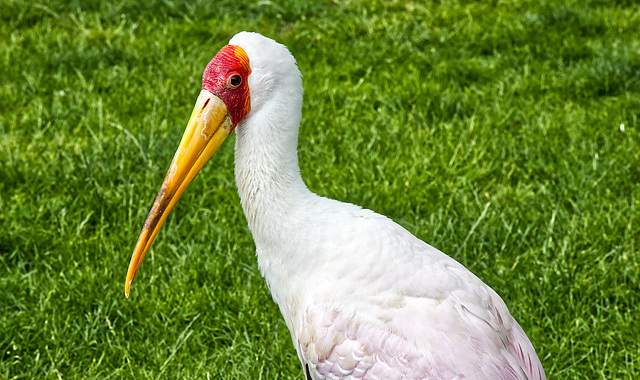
<point>231,60</point>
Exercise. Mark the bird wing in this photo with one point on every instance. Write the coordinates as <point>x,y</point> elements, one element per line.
<point>421,315</point>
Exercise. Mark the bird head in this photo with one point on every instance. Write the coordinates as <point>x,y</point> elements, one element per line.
<point>224,101</point>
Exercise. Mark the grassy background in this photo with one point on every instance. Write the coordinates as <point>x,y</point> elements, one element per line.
<point>491,129</point>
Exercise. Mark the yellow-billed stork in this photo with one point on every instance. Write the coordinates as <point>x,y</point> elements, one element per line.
<point>361,296</point>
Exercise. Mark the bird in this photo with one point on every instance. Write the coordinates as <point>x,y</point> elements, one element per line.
<point>362,297</point>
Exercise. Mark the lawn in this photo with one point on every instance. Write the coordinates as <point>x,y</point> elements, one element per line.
<point>505,133</point>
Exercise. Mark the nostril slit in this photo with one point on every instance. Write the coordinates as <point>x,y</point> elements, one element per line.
<point>205,104</point>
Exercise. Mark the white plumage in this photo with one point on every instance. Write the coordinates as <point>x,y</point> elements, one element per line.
<point>362,297</point>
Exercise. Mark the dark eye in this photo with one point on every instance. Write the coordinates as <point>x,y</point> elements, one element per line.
<point>235,80</point>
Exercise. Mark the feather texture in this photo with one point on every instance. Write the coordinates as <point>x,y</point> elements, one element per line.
<point>361,296</point>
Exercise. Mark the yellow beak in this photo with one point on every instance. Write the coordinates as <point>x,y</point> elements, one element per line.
<point>209,125</point>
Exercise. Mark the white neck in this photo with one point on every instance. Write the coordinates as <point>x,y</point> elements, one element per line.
<point>277,204</point>
<point>266,169</point>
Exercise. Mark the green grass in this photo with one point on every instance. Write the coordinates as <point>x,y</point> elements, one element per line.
<point>492,130</point>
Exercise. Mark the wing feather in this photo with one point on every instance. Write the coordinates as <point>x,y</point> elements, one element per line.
<point>429,319</point>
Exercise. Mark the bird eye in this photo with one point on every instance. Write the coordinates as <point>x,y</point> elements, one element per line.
<point>235,80</point>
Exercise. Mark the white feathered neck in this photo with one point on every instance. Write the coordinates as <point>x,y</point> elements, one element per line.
<point>266,158</point>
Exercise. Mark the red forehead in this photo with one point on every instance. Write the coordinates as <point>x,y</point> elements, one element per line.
<point>229,61</point>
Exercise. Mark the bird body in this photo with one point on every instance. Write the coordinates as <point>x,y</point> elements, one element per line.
<point>362,297</point>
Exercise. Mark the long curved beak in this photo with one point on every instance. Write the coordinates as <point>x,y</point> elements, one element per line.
<point>209,125</point>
